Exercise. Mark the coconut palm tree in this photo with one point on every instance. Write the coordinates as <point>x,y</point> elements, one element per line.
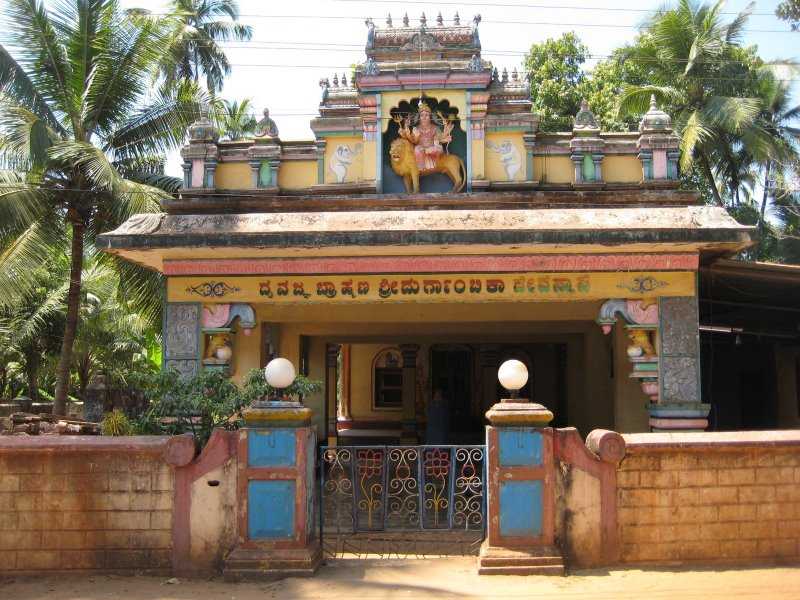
<point>697,68</point>
<point>197,28</point>
<point>234,119</point>
<point>79,132</point>
<point>782,120</point>
<point>114,338</point>
<point>33,325</point>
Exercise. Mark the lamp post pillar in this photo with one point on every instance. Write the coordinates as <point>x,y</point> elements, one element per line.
<point>521,491</point>
<point>276,534</point>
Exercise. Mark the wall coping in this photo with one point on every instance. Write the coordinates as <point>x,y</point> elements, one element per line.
<point>709,440</point>
<point>177,450</point>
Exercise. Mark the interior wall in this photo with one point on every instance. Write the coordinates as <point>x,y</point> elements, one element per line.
<point>592,394</point>
<point>630,403</point>
<point>361,357</point>
<point>741,382</point>
<point>787,363</point>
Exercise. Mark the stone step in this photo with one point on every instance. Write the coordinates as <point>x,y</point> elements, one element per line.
<point>250,565</point>
<point>523,570</point>
<point>533,561</point>
<point>234,575</point>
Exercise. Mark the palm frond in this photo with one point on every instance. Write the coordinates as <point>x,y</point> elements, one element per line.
<point>635,99</point>
<point>21,254</point>
<point>116,82</point>
<point>694,132</point>
<point>22,203</point>
<point>36,39</point>
<point>731,114</point>
<point>160,126</point>
<point>24,134</point>
<point>15,84</point>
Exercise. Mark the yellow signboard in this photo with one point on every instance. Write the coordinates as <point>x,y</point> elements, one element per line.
<point>449,287</point>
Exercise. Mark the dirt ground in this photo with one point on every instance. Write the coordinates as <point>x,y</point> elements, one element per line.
<point>426,578</point>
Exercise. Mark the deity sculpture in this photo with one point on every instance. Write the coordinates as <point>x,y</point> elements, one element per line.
<point>427,137</point>
<point>421,149</point>
<point>266,127</point>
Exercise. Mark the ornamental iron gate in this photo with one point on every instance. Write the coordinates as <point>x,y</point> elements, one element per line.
<point>400,500</point>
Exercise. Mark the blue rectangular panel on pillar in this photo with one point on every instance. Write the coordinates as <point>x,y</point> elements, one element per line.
<point>271,448</point>
<point>520,508</point>
<point>520,447</point>
<point>270,509</point>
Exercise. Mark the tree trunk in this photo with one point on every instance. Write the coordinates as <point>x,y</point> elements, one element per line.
<point>765,197</point>
<point>710,177</point>
<point>73,305</point>
<point>32,362</point>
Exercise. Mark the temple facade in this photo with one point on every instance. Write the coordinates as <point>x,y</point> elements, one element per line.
<point>430,232</point>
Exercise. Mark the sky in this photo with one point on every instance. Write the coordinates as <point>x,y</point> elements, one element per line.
<point>295,44</point>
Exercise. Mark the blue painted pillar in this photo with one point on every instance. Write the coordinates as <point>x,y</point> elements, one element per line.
<point>277,536</point>
<point>521,495</point>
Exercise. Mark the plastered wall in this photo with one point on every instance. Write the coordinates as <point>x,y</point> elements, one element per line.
<point>622,169</point>
<point>297,174</point>
<point>554,169</point>
<point>233,176</point>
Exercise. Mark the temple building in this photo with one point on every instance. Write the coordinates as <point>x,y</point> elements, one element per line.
<point>428,233</point>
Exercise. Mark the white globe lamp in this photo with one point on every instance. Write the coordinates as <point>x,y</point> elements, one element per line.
<point>280,373</point>
<point>513,375</point>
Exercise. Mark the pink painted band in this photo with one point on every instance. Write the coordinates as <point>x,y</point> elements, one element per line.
<point>435,264</point>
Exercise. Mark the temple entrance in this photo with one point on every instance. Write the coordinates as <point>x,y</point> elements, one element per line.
<point>451,413</point>
<point>391,501</point>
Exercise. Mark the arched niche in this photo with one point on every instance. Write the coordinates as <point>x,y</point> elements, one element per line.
<point>437,182</point>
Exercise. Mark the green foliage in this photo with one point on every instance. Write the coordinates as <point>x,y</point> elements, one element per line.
<point>196,405</point>
<point>116,423</point>
<point>114,339</point>
<point>195,29</point>
<point>693,63</point>
<point>789,10</point>
<point>204,402</point>
<point>554,69</point>
<point>234,119</point>
<point>257,388</point>
<point>81,141</point>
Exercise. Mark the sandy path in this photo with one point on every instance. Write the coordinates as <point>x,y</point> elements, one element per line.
<point>432,578</point>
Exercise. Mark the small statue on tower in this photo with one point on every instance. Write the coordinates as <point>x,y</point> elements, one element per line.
<point>266,127</point>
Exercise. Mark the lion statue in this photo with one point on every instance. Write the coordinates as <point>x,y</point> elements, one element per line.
<point>217,342</point>
<point>640,338</point>
<point>401,154</point>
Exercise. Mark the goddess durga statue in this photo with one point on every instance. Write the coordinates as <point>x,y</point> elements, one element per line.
<point>426,136</point>
<point>428,143</point>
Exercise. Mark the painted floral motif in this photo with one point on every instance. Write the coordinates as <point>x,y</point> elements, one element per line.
<point>212,289</point>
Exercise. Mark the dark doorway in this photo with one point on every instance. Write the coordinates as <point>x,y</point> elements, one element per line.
<point>451,416</point>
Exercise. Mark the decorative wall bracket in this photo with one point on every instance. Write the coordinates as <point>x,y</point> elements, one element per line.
<point>641,323</point>
<point>217,326</point>
<point>654,366</point>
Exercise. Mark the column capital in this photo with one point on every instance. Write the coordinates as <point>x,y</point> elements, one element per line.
<point>515,413</point>
<point>332,355</point>
<point>409,353</point>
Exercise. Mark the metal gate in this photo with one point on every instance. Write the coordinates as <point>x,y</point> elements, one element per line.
<point>400,500</point>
